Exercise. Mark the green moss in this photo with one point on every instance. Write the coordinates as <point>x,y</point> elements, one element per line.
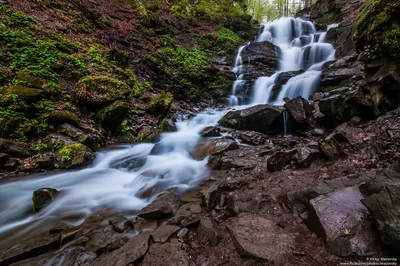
<point>160,103</point>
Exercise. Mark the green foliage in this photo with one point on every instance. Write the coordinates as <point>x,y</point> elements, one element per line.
<point>224,42</point>
<point>39,147</point>
<point>215,9</point>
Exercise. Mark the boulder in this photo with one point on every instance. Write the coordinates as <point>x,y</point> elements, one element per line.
<point>14,147</point>
<point>280,159</point>
<point>60,117</point>
<point>3,159</point>
<point>43,197</point>
<point>306,156</point>
<point>147,134</point>
<point>161,103</point>
<point>55,141</point>
<point>120,223</point>
<point>343,222</point>
<point>76,156</point>
<point>33,82</point>
<point>264,58</point>
<point>11,164</point>
<point>210,131</point>
<point>105,242</point>
<point>211,197</point>
<point>207,232</point>
<point>385,209</point>
<point>165,254</point>
<point>163,233</point>
<point>24,93</point>
<point>112,116</point>
<point>165,205</point>
<point>130,162</point>
<point>72,132</point>
<point>143,225</point>
<point>341,71</point>
<point>213,147</point>
<point>187,214</point>
<point>129,253</point>
<point>284,77</point>
<point>330,149</point>
<point>259,238</point>
<point>262,118</point>
<point>299,108</point>
<point>252,137</point>
<point>46,160</point>
<point>167,125</point>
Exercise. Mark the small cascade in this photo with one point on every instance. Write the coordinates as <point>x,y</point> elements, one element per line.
<point>302,48</point>
<point>239,84</point>
<point>286,124</point>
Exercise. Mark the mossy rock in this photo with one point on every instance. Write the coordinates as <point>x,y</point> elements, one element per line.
<point>24,93</point>
<point>31,81</point>
<point>147,134</point>
<point>102,90</point>
<point>112,116</point>
<point>56,142</point>
<point>161,103</point>
<point>60,117</point>
<point>76,156</point>
<point>43,197</point>
<point>167,125</point>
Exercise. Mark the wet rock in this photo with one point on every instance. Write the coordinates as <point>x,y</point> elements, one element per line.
<point>252,137</point>
<point>342,220</point>
<point>143,225</point>
<point>43,197</point>
<point>29,248</point>
<point>264,57</point>
<point>147,134</point>
<point>46,160</point>
<point>76,156</point>
<point>261,118</point>
<point>133,250</point>
<point>385,209</point>
<point>306,156</point>
<point>3,159</point>
<point>69,234</point>
<point>60,117</point>
<point>337,108</point>
<point>284,77</point>
<point>165,205</point>
<point>163,233</point>
<point>280,159</point>
<point>213,147</point>
<point>330,149</point>
<point>210,132</point>
<point>105,242</point>
<point>187,214</point>
<point>130,162</point>
<point>259,238</point>
<point>24,93</point>
<point>299,108</point>
<point>211,197</point>
<point>55,141</point>
<point>13,147</point>
<point>120,223</point>
<point>165,254</point>
<point>112,116</point>
<point>58,227</point>
<point>341,71</point>
<point>207,232</point>
<point>167,125</point>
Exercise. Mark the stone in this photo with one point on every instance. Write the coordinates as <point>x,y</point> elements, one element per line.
<point>299,108</point>
<point>72,132</point>
<point>182,233</point>
<point>13,147</point>
<point>284,77</point>
<point>341,71</point>
<point>187,214</point>
<point>43,197</point>
<point>165,205</point>
<point>163,233</point>
<point>130,162</point>
<point>112,116</point>
<point>46,160</point>
<point>306,156</point>
<point>330,149</point>
<point>165,254</point>
<point>143,225</point>
<point>60,117</point>
<point>3,159</point>
<point>161,103</point>
<point>264,58</point>
<point>207,232</point>
<point>210,131</point>
<point>105,242</point>
<point>262,118</point>
<point>132,251</point>
<point>76,156</point>
<point>252,137</point>
<point>213,147</point>
<point>69,234</point>
<point>120,223</point>
<point>33,82</point>
<point>24,93</point>
<point>58,227</point>
<point>147,134</point>
<point>343,222</point>
<point>167,125</point>
<point>259,238</point>
<point>280,159</point>
<point>211,197</point>
<point>12,164</point>
<point>385,209</point>
<point>56,142</point>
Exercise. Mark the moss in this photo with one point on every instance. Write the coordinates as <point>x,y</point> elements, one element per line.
<point>161,103</point>
<point>75,155</point>
<point>23,92</point>
<point>59,117</point>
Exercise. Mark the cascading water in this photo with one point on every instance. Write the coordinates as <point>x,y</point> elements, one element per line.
<point>128,177</point>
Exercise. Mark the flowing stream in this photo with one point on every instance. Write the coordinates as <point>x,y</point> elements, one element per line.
<point>127,177</point>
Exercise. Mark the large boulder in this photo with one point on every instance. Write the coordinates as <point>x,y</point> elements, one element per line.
<point>14,147</point>
<point>161,103</point>
<point>93,141</point>
<point>112,116</point>
<point>76,155</point>
<point>299,108</point>
<point>261,118</point>
<point>43,197</point>
<point>60,117</point>
<point>259,238</point>
<point>213,147</point>
<point>343,222</point>
<point>164,206</point>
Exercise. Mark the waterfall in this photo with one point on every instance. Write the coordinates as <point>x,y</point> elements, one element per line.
<point>303,48</point>
<point>239,84</point>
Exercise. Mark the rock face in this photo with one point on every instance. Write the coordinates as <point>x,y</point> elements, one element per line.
<point>341,71</point>
<point>261,118</point>
<point>43,197</point>
<point>133,250</point>
<point>259,238</point>
<point>163,206</point>
<point>343,221</point>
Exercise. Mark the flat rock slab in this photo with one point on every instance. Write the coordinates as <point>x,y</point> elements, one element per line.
<point>133,250</point>
<point>343,221</point>
<point>260,238</point>
<point>162,233</point>
<point>165,205</point>
<point>166,254</point>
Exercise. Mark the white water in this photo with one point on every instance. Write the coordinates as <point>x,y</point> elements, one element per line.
<point>118,180</point>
